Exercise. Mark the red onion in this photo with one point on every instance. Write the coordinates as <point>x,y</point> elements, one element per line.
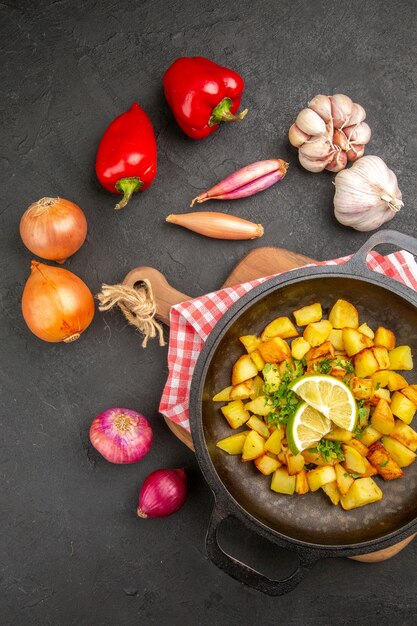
<point>162,493</point>
<point>121,435</point>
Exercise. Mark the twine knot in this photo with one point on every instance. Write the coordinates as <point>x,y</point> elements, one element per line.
<point>137,305</point>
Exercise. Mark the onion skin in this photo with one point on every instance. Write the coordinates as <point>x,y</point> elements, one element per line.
<point>56,304</point>
<point>53,228</point>
<point>162,493</point>
<point>121,435</point>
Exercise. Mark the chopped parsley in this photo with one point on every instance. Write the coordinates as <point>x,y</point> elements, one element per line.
<point>384,463</point>
<point>346,365</point>
<point>352,475</point>
<point>329,450</point>
<point>298,368</point>
<point>283,401</point>
<point>363,411</point>
<point>324,367</point>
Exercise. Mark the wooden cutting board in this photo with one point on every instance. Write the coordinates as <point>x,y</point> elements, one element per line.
<point>256,264</point>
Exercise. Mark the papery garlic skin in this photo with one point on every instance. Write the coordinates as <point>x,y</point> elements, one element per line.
<point>341,110</point>
<point>360,134</point>
<point>357,115</point>
<point>310,122</point>
<point>338,162</point>
<point>367,194</point>
<point>319,148</point>
<point>313,165</point>
<point>328,126</point>
<point>322,106</point>
<point>297,137</point>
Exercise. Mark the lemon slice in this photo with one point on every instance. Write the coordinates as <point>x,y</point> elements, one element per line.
<point>330,396</point>
<point>306,427</point>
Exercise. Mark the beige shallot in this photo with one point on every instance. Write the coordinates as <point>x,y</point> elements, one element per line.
<point>217,225</point>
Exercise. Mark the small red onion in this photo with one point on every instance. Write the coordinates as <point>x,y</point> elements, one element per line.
<point>162,493</point>
<point>121,435</point>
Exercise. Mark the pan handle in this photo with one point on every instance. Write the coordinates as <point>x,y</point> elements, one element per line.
<point>245,574</point>
<point>357,264</point>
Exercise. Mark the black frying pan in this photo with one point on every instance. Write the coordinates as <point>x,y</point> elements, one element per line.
<point>308,525</point>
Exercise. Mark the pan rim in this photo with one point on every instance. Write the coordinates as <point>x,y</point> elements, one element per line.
<point>196,421</point>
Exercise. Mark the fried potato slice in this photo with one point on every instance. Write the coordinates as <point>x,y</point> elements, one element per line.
<point>279,327</point>
<point>275,350</point>
<point>385,465</point>
<point>344,315</point>
<point>363,491</point>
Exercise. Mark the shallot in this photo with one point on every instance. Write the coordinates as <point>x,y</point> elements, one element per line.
<point>162,493</point>
<point>121,435</point>
<point>218,225</point>
<point>246,181</point>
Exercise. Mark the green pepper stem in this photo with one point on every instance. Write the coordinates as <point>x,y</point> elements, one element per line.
<point>221,113</point>
<point>128,186</point>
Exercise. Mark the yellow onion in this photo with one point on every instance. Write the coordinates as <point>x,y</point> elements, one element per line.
<point>56,304</point>
<point>53,228</point>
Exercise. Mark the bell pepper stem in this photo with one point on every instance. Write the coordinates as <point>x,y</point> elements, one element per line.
<point>128,186</point>
<point>222,113</point>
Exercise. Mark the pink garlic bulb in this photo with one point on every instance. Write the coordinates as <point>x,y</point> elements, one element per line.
<point>330,133</point>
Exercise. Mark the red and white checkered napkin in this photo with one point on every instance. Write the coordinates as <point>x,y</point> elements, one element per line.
<point>192,321</point>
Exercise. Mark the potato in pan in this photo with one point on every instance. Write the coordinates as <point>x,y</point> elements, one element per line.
<point>318,405</point>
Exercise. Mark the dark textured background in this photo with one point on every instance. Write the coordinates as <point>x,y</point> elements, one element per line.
<point>71,549</point>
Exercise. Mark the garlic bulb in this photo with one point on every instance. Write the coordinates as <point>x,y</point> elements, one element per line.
<point>367,194</point>
<point>336,128</point>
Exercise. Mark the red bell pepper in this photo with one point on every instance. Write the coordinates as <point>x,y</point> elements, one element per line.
<point>202,94</point>
<point>126,156</point>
